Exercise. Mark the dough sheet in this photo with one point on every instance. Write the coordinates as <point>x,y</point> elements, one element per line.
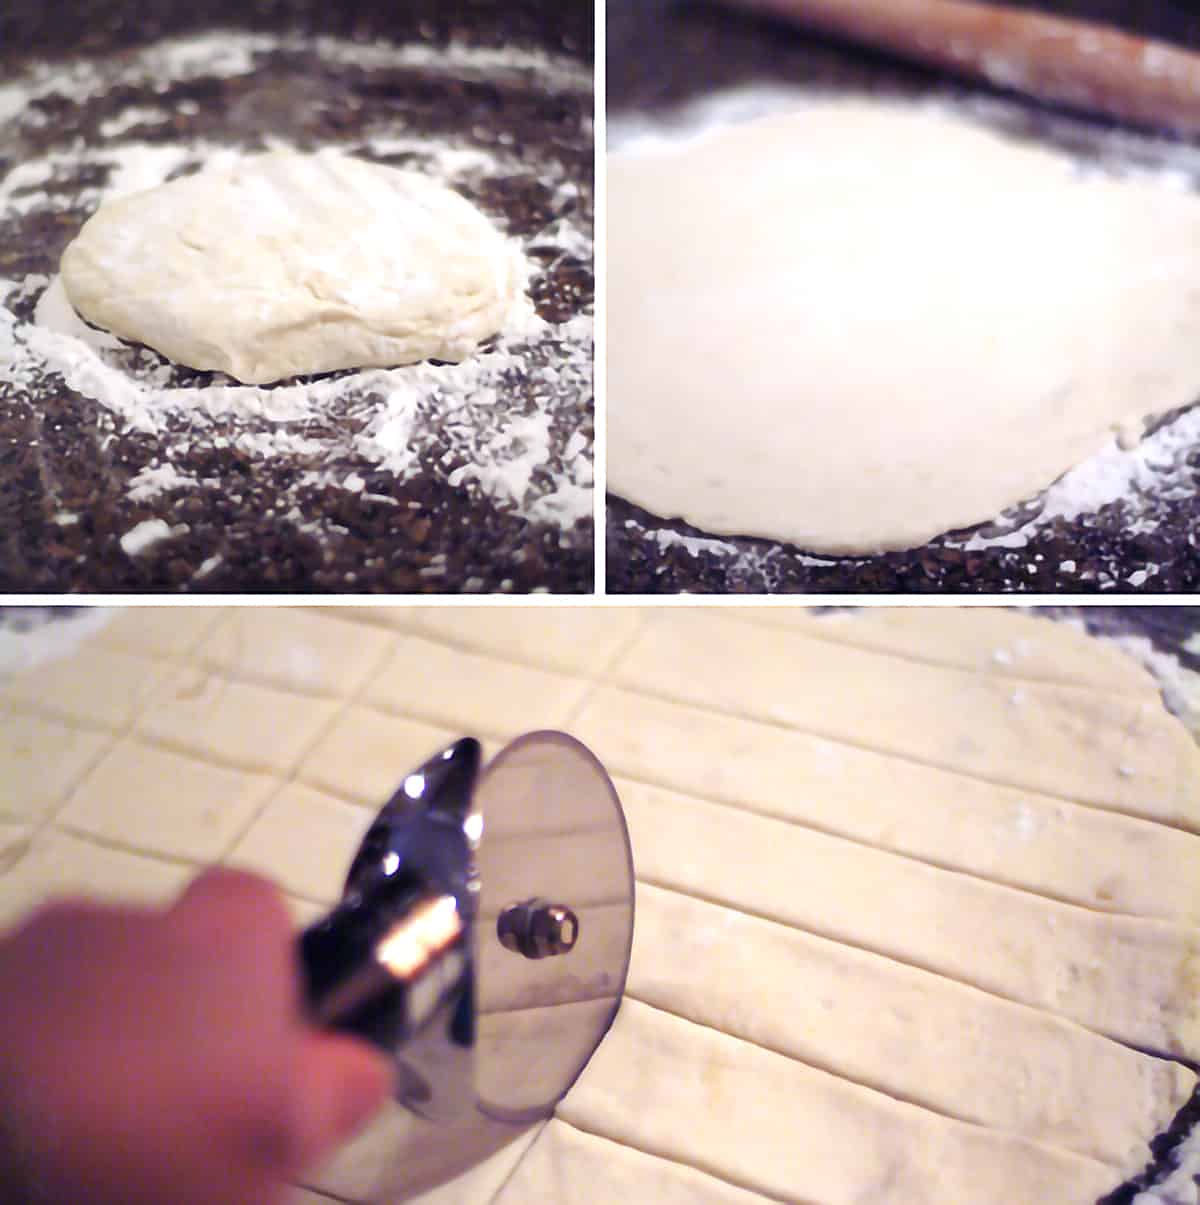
<point>917,891</point>
<point>862,323</point>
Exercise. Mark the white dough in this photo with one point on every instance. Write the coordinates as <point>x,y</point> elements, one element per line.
<point>916,890</point>
<point>289,264</point>
<point>976,1058</point>
<point>796,1134</point>
<point>863,324</point>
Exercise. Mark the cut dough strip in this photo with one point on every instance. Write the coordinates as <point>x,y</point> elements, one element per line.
<point>913,1035</point>
<point>1069,852</point>
<point>1133,979</point>
<point>1124,754</point>
<point>569,1166</point>
<point>775,1126</point>
<point>993,640</point>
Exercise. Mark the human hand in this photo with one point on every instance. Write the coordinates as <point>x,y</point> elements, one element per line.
<point>153,1057</point>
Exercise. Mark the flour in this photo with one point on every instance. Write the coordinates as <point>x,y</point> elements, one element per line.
<point>146,534</point>
<point>552,74</point>
<point>151,482</point>
<point>1139,478</point>
<point>456,418</point>
<point>13,100</point>
<point>33,636</point>
<point>1182,1186</point>
<point>114,127</point>
<point>1180,685</point>
<point>695,545</point>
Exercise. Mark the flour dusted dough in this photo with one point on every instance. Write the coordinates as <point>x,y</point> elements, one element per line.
<point>863,324</point>
<point>289,263</point>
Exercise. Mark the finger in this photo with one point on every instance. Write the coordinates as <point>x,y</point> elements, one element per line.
<point>342,1082</point>
<point>221,902</point>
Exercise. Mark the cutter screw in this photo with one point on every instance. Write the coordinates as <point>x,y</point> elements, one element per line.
<point>537,928</point>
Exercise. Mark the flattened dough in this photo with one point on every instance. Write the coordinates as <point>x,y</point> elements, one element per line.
<point>938,998</point>
<point>861,325</point>
<point>288,264</point>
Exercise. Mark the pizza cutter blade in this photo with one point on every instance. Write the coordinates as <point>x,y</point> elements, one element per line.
<point>482,940</point>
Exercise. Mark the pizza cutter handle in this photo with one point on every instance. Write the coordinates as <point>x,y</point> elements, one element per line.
<point>385,960</point>
<point>1066,61</point>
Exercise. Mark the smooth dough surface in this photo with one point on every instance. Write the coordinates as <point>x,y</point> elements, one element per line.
<point>863,324</point>
<point>289,263</point>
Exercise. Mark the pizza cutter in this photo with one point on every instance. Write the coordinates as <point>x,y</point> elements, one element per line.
<point>483,937</point>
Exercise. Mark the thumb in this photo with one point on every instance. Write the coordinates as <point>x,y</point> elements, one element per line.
<point>342,1083</point>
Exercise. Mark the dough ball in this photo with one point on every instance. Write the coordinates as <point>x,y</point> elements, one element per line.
<point>863,324</point>
<point>293,263</point>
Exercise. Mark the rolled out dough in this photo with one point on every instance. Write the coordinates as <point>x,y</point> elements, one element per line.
<point>863,324</point>
<point>917,892</point>
<point>290,263</point>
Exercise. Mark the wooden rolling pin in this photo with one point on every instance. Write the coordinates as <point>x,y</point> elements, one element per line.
<point>1066,61</point>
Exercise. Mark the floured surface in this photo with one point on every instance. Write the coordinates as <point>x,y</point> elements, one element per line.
<point>474,476</point>
<point>286,265</point>
<point>825,328</point>
<point>928,1018</point>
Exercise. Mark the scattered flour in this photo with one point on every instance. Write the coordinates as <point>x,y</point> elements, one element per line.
<point>693,544</point>
<point>114,127</point>
<point>145,535</point>
<point>32,636</point>
<point>1182,1187</point>
<point>151,482</point>
<point>1180,685</point>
